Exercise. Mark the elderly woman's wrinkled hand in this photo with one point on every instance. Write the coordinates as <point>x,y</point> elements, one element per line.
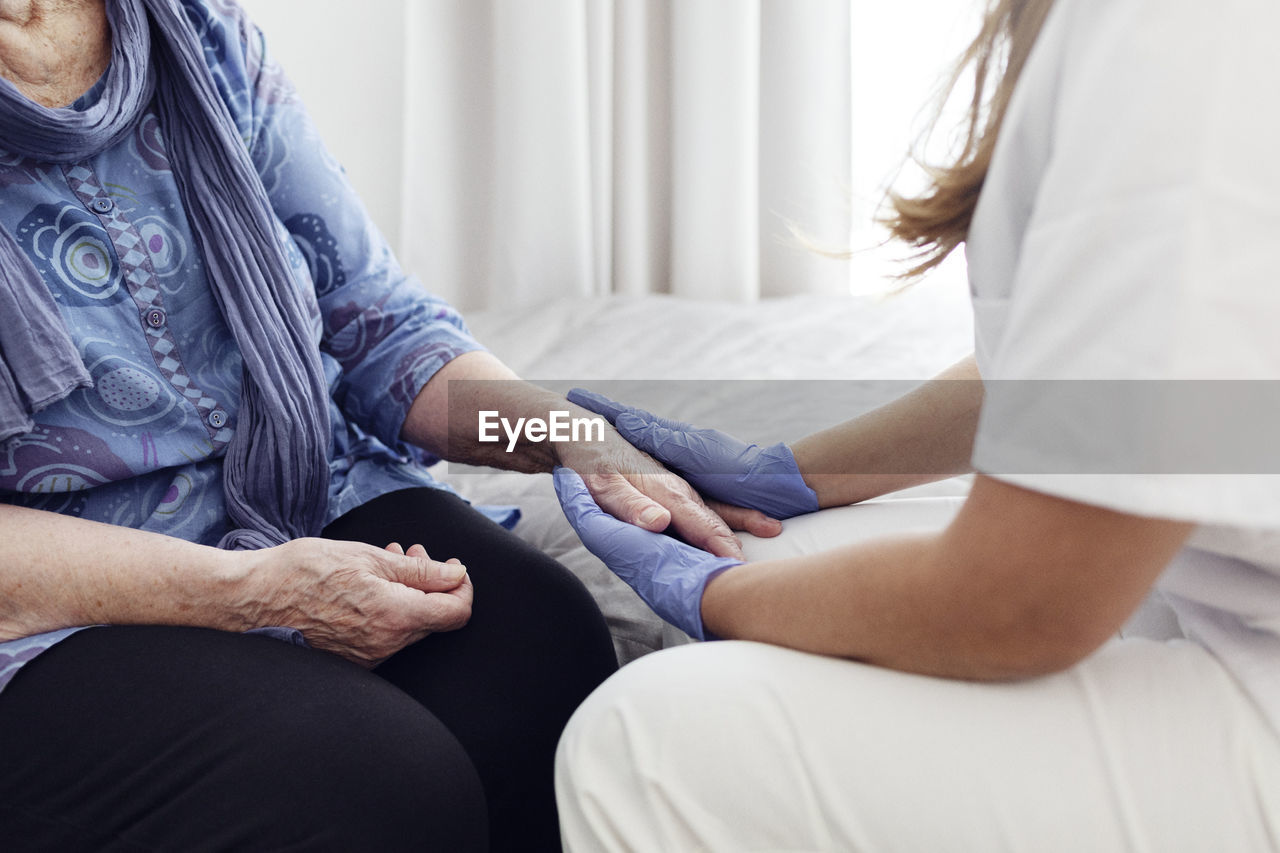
<point>750,486</point>
<point>633,487</point>
<point>355,600</point>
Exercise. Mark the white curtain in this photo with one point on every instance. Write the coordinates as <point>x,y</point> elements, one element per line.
<point>580,147</point>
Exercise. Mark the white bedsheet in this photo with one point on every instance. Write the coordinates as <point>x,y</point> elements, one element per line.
<point>861,341</point>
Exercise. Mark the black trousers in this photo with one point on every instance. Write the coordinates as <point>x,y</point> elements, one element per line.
<point>187,739</point>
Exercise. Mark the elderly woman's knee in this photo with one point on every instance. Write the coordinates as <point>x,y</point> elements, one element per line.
<point>228,741</point>
<point>367,768</point>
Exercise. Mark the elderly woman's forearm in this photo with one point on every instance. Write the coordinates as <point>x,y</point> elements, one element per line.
<point>445,414</point>
<point>57,571</point>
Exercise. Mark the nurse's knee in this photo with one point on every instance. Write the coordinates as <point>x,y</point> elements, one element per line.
<point>605,760</point>
<point>662,704</point>
<point>648,761</point>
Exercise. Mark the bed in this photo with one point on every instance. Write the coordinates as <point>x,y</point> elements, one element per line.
<point>767,371</point>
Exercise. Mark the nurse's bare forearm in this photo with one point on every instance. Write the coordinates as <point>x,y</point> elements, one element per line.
<point>924,436</point>
<point>881,602</point>
<point>59,572</point>
<point>1019,584</point>
<point>897,603</point>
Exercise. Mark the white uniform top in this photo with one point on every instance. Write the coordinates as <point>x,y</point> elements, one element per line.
<point>1129,229</point>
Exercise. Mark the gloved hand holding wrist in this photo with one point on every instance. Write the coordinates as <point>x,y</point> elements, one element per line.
<point>668,574</point>
<point>715,463</point>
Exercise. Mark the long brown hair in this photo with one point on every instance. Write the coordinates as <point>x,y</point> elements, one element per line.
<point>935,222</point>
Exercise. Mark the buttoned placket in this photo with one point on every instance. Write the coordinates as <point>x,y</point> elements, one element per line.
<point>143,284</point>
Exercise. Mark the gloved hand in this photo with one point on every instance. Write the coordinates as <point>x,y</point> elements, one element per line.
<point>715,463</point>
<point>668,574</point>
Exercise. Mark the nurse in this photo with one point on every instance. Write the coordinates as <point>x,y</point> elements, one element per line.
<point>964,687</point>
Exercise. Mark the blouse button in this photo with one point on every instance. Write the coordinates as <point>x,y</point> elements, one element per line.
<point>155,318</point>
<point>217,419</point>
<point>102,204</point>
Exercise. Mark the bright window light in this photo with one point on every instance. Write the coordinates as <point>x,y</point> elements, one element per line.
<point>902,51</point>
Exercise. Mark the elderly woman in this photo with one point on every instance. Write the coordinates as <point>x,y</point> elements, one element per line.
<point>960,686</point>
<point>213,374</point>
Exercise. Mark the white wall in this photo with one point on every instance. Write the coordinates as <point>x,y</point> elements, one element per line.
<point>349,67</point>
<point>347,60</point>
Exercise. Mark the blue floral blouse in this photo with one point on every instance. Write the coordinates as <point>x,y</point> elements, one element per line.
<point>144,446</point>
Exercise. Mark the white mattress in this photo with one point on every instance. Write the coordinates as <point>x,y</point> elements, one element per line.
<point>863,342</point>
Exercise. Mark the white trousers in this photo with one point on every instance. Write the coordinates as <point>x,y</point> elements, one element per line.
<point>732,746</point>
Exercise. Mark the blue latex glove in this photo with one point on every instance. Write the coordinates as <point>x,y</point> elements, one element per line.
<point>668,574</point>
<point>715,463</point>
